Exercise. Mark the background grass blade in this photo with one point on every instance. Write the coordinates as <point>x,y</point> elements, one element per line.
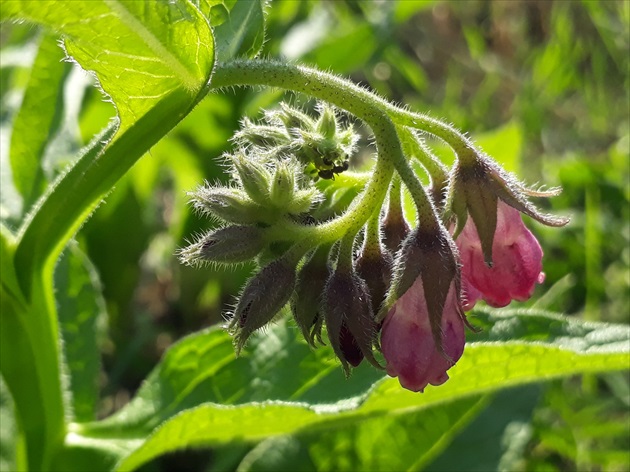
<point>38,119</point>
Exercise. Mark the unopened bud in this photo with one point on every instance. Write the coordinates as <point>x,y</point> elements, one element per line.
<point>255,178</point>
<point>229,245</point>
<point>261,135</point>
<point>306,303</point>
<point>348,314</point>
<point>374,265</point>
<point>327,123</point>
<point>227,204</point>
<point>395,230</point>
<point>283,185</point>
<point>347,139</point>
<point>262,299</point>
<point>294,119</point>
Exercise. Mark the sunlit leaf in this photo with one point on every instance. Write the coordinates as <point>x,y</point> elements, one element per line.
<point>385,442</point>
<point>139,51</point>
<point>570,348</point>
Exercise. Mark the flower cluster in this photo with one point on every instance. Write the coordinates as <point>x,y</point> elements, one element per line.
<point>392,289</point>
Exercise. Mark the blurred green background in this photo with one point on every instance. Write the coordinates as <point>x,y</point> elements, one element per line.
<point>543,87</point>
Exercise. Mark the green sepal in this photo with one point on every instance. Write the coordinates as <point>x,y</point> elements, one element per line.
<point>283,186</point>
<point>254,177</point>
<point>230,205</point>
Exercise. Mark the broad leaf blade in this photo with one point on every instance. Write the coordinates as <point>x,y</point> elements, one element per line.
<point>386,442</point>
<point>202,367</point>
<point>139,51</point>
<point>485,367</point>
<point>81,309</point>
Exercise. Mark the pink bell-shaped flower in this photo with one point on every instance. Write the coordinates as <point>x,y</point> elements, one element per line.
<point>408,344</point>
<point>517,261</point>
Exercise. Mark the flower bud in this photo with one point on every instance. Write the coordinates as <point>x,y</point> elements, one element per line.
<point>477,187</point>
<point>227,204</point>
<point>349,319</point>
<point>327,123</point>
<point>229,245</point>
<point>254,177</point>
<point>374,266</point>
<point>306,302</point>
<point>262,299</point>
<point>282,185</point>
<point>408,339</point>
<point>501,258</point>
<point>395,230</point>
<point>261,135</point>
<point>294,119</point>
<point>517,257</point>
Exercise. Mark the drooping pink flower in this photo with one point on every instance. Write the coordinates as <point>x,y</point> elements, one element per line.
<point>408,344</point>
<point>516,257</point>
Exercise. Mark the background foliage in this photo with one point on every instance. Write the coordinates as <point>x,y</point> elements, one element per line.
<point>542,86</point>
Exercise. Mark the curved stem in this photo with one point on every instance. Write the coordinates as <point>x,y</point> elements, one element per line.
<point>413,146</point>
<point>426,211</point>
<point>346,251</point>
<point>372,241</point>
<point>395,208</point>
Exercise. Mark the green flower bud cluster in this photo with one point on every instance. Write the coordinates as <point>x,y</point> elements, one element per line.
<point>275,172</point>
<point>322,145</point>
<point>263,196</point>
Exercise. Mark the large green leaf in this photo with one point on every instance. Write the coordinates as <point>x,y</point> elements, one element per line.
<point>82,321</point>
<point>198,362</point>
<point>37,119</point>
<point>139,51</point>
<point>202,367</point>
<point>385,442</point>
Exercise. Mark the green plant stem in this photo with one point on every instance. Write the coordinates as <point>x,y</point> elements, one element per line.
<point>346,250</point>
<point>57,216</point>
<point>427,217</point>
<point>395,208</point>
<point>372,241</point>
<point>463,147</point>
<point>416,148</point>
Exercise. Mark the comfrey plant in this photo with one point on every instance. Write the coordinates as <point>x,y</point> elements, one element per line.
<point>331,246</point>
